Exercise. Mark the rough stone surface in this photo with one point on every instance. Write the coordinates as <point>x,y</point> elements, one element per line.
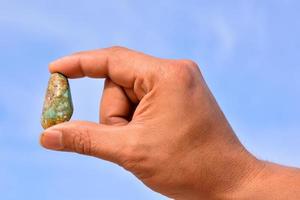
<point>58,106</point>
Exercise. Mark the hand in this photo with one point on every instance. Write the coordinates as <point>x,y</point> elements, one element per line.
<point>158,120</point>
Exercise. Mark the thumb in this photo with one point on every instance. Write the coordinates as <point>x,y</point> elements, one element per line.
<point>87,138</point>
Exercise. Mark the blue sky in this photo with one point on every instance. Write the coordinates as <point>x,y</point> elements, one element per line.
<point>248,51</point>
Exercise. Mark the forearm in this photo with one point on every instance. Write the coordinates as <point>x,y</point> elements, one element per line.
<point>272,182</point>
<point>249,178</point>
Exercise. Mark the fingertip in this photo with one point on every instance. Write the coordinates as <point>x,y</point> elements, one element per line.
<point>41,139</point>
<point>51,139</point>
<point>52,66</point>
<point>67,66</point>
<point>57,65</point>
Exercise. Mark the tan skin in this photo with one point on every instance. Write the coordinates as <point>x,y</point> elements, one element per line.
<point>159,120</point>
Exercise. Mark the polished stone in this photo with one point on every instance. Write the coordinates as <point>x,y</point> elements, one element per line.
<point>58,106</point>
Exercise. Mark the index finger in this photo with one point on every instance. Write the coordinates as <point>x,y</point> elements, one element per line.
<point>118,63</point>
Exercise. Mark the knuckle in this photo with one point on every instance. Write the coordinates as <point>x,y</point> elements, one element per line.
<point>116,48</point>
<point>115,52</point>
<point>185,71</point>
<point>81,142</point>
<point>78,53</point>
<point>131,155</point>
<point>188,68</point>
<point>139,162</point>
<point>136,157</point>
<point>130,165</point>
<point>188,64</point>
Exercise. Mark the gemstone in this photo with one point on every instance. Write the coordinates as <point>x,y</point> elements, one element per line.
<point>58,106</point>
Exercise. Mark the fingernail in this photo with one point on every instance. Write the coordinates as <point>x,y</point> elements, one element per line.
<point>52,139</point>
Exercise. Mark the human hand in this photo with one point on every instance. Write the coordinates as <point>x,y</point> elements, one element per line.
<point>158,120</point>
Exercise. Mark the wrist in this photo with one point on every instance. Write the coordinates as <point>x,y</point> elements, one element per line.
<point>232,178</point>
<point>249,180</point>
<point>273,181</point>
<point>227,168</point>
<point>246,172</point>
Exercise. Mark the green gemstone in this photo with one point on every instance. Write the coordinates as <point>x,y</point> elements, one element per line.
<point>58,106</point>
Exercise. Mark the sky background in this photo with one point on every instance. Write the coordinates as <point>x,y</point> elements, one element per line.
<point>248,52</point>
